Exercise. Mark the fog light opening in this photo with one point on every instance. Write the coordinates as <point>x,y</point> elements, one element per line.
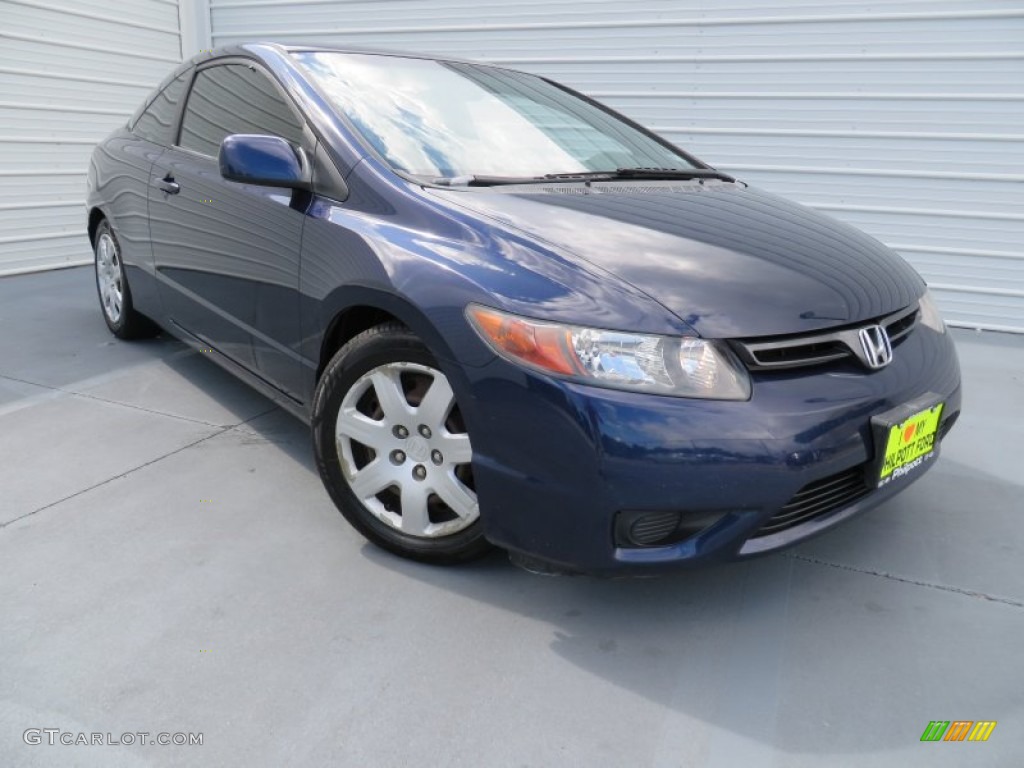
<point>660,528</point>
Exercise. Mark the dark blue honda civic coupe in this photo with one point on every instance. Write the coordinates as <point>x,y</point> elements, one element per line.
<point>515,317</point>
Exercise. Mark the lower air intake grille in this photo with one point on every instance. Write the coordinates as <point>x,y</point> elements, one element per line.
<point>817,499</point>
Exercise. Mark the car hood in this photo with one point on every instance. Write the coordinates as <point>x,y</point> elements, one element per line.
<point>729,260</point>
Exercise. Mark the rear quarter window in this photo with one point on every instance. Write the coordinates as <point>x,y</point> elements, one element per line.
<point>157,121</point>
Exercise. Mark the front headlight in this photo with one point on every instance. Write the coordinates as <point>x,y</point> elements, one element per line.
<point>930,317</point>
<point>664,365</point>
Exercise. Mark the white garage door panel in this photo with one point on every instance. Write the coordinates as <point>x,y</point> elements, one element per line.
<point>947,112</point>
<point>161,14</point>
<point>18,222</point>
<point>850,150</point>
<point>44,186</point>
<point>979,271</point>
<point>835,9</point>
<point>679,39</point>
<point>71,71</point>
<point>977,307</point>
<point>38,54</point>
<point>233,17</point>
<point>55,122</point>
<point>87,28</point>
<point>245,16</point>
<point>24,87</point>
<point>980,310</point>
<point>903,227</point>
<point>830,115</point>
<point>45,252</point>
<point>871,187</point>
<point>795,74</point>
<point>36,155</point>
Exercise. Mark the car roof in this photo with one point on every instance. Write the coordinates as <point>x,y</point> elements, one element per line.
<point>260,48</point>
<point>373,51</point>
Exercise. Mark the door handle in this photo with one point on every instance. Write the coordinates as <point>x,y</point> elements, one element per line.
<point>169,185</point>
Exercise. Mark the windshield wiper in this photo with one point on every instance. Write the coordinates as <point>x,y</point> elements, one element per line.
<point>470,180</point>
<point>649,173</point>
<point>619,173</point>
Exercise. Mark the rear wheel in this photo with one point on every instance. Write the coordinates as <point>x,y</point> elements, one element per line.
<point>112,286</point>
<point>393,450</point>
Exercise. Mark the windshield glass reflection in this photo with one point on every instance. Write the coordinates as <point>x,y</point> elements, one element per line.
<point>447,119</point>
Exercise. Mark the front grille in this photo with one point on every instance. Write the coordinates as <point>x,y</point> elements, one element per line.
<point>902,325</point>
<point>822,347</point>
<point>817,499</point>
<point>804,353</point>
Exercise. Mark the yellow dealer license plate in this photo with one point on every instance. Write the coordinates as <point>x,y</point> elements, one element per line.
<point>909,444</point>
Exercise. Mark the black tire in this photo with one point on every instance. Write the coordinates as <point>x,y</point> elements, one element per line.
<point>386,345</point>
<point>125,323</point>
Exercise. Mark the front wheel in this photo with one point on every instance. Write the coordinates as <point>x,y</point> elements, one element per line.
<point>393,450</point>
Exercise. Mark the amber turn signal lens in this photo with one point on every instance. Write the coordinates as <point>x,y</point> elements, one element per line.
<point>541,345</point>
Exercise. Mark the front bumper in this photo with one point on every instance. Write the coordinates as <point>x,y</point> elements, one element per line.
<point>556,462</point>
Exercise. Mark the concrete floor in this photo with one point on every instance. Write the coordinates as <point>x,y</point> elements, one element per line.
<point>170,562</point>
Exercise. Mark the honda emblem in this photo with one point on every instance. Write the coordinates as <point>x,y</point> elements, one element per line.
<point>876,345</point>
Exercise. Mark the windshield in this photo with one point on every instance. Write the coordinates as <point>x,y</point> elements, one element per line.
<point>448,119</point>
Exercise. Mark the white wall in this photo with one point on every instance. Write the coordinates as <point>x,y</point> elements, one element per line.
<point>904,117</point>
<point>70,72</point>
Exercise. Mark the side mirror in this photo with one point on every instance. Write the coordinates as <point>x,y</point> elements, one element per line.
<point>269,161</point>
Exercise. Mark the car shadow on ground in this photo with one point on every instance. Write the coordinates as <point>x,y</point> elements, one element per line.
<point>787,650</point>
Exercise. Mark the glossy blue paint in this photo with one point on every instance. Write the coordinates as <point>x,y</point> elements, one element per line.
<point>729,260</point>
<point>263,274</point>
<point>268,161</point>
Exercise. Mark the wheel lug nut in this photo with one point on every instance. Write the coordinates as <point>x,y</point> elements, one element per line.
<point>419,472</point>
<point>436,456</point>
<point>397,457</point>
<point>425,431</point>
<point>400,432</point>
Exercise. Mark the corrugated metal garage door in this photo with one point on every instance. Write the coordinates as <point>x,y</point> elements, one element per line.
<point>70,72</point>
<point>905,118</point>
